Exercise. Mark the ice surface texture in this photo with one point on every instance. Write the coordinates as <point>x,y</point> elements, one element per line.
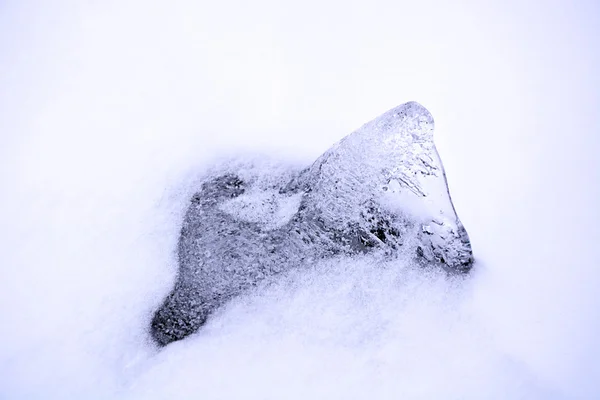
<point>380,190</point>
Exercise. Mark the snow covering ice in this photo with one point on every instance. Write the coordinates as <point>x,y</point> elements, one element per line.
<point>351,202</point>
<point>111,113</point>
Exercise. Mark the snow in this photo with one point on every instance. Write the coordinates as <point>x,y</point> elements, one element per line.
<point>111,112</point>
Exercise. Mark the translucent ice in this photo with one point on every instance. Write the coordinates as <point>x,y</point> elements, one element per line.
<point>380,190</point>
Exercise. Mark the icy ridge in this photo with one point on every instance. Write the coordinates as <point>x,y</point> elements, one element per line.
<point>380,190</point>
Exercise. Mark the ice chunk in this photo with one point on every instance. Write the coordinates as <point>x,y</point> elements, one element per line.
<point>380,190</point>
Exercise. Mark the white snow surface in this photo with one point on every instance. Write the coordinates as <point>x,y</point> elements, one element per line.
<point>110,113</point>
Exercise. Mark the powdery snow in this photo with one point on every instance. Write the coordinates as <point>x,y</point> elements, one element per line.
<point>111,113</point>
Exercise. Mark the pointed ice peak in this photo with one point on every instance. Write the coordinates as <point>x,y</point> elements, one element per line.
<point>411,118</point>
<point>395,149</point>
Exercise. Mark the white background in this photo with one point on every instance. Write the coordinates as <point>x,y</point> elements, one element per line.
<point>110,110</point>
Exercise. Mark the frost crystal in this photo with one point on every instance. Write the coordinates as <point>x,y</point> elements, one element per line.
<point>380,190</point>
